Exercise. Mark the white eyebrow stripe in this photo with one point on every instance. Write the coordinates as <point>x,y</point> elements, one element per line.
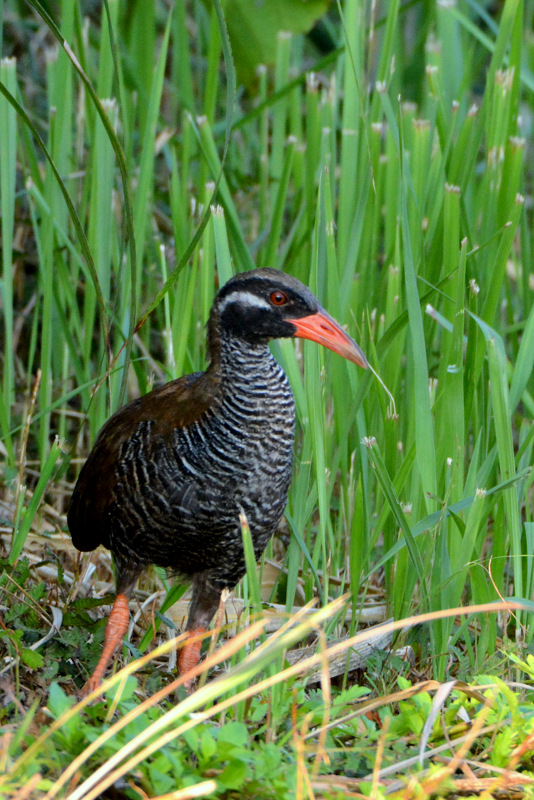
<point>245,299</point>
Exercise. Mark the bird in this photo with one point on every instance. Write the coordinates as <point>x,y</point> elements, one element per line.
<point>172,472</point>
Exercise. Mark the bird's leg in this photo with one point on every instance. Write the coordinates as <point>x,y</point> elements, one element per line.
<point>127,573</point>
<point>116,627</point>
<point>204,604</point>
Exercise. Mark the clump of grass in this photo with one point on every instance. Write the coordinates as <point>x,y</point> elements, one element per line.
<point>171,745</point>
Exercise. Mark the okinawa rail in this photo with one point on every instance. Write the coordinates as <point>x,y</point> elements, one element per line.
<point>171,472</point>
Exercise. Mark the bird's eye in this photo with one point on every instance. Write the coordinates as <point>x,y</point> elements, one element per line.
<point>279,298</point>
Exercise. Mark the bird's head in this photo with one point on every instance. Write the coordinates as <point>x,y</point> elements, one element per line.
<point>265,304</point>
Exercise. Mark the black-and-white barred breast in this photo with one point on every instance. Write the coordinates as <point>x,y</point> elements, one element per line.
<point>178,497</point>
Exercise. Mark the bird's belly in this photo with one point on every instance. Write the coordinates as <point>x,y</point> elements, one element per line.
<point>193,489</point>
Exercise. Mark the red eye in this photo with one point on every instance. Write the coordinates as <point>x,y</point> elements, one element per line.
<point>279,298</point>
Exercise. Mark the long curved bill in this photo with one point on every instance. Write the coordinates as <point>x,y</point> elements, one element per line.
<point>324,329</point>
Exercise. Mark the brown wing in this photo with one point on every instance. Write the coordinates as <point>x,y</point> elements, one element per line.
<point>172,406</point>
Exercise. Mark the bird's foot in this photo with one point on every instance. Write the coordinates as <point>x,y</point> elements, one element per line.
<point>94,682</point>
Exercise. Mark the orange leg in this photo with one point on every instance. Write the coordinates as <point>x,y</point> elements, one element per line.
<point>204,602</point>
<point>115,630</point>
<point>190,654</point>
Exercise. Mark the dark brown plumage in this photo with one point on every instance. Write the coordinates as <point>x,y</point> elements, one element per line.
<point>170,472</point>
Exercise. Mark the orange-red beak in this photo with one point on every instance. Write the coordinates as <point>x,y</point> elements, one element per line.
<point>323,328</point>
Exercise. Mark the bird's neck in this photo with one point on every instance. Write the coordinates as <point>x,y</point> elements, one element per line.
<point>241,359</point>
<point>242,368</point>
<point>254,396</point>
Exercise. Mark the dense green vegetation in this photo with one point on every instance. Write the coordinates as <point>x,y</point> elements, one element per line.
<point>386,161</point>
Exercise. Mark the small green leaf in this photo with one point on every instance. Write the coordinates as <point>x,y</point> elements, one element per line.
<point>15,636</point>
<point>207,744</point>
<point>31,658</point>
<point>235,733</point>
<point>234,775</point>
<point>58,702</point>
